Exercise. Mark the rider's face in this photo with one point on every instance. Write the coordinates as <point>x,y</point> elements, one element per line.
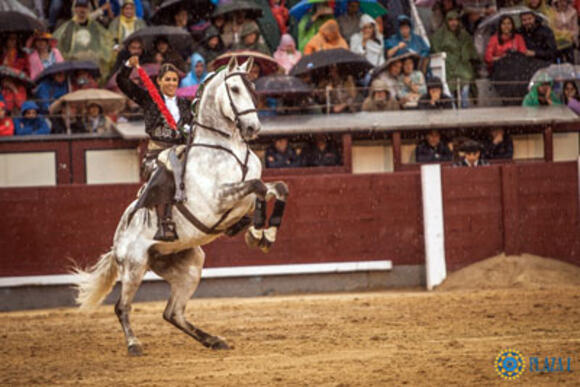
<point>168,83</point>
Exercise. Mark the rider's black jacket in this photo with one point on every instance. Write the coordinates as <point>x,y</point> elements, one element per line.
<point>155,125</point>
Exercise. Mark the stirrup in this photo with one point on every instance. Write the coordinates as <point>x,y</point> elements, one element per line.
<point>167,231</point>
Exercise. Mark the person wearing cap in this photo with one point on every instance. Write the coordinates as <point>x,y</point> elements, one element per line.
<point>435,99</point>
<point>6,123</point>
<point>126,23</point>
<point>44,53</point>
<point>405,41</point>
<point>380,98</point>
<point>432,149</point>
<point>30,122</point>
<point>539,39</point>
<point>541,93</point>
<point>452,39</point>
<point>250,39</point>
<point>470,153</point>
<point>84,39</point>
<point>368,42</point>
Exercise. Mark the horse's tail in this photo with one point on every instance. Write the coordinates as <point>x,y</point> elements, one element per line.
<point>95,283</point>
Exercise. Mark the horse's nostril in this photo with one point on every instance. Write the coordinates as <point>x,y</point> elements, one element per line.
<point>250,129</point>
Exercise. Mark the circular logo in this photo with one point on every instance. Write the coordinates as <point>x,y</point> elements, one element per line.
<point>510,364</point>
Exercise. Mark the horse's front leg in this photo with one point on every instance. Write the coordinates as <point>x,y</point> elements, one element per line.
<point>230,194</point>
<point>259,236</point>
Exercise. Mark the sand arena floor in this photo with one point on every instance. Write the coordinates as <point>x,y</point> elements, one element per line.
<point>382,338</point>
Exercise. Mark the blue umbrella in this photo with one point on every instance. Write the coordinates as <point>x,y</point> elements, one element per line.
<point>370,7</point>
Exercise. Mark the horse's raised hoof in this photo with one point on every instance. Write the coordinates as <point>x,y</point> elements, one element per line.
<point>253,237</point>
<point>216,343</point>
<point>265,245</point>
<point>135,350</point>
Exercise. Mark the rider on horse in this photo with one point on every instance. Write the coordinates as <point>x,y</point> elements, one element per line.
<point>159,116</point>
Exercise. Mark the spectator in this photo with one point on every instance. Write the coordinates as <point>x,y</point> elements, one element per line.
<point>411,83</point>
<point>95,121</point>
<point>6,124</point>
<point>310,23</point>
<point>504,41</point>
<point>471,155</point>
<point>51,89</point>
<point>286,54</point>
<point>164,53</point>
<point>539,39</point>
<point>368,42</point>
<point>391,76</point>
<point>250,39</point>
<point>432,149</point>
<point>349,21</point>
<point>280,155</point>
<point>31,121</point>
<point>44,53</point>
<point>341,91</point>
<point>380,98</point>
<point>440,10</point>
<point>12,55</point>
<point>83,39</point>
<point>197,74</point>
<point>83,79</point>
<point>211,46</point>
<point>498,145</point>
<point>181,18</point>
<point>255,72</point>
<point>280,13</point>
<point>570,92</point>
<point>564,22</point>
<point>126,23</point>
<point>232,29</point>
<point>133,48</point>
<point>472,17</point>
<point>405,41</point>
<point>327,38</point>
<point>14,94</point>
<point>320,153</point>
<point>452,39</point>
<point>434,99</point>
<point>538,6</point>
<point>541,93</point>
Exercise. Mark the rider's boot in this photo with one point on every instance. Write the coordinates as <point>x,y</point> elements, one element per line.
<point>166,230</point>
<point>177,168</point>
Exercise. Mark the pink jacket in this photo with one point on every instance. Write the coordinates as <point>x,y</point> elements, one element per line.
<point>287,61</point>
<point>35,63</point>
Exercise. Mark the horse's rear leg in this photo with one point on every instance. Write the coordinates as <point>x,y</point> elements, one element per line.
<point>131,277</point>
<point>183,272</point>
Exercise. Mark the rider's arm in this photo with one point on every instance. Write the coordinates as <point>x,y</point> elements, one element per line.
<point>131,90</point>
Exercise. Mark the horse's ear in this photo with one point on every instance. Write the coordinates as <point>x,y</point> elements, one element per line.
<point>233,63</point>
<point>249,63</point>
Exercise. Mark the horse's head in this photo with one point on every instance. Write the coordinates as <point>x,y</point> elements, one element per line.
<point>236,98</point>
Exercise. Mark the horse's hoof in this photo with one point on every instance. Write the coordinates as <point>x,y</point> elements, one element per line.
<point>265,245</point>
<point>216,343</point>
<point>253,237</point>
<point>135,350</point>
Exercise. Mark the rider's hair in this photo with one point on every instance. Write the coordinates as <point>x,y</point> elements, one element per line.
<point>167,68</point>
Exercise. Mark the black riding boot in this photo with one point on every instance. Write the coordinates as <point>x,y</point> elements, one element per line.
<point>166,230</point>
<point>177,168</point>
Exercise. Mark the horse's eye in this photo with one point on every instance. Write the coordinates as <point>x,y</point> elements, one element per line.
<point>235,89</point>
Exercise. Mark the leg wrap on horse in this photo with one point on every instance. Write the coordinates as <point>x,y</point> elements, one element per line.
<point>276,217</point>
<point>236,228</point>
<point>260,214</point>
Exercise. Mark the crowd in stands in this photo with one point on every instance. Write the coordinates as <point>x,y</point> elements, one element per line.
<point>544,33</point>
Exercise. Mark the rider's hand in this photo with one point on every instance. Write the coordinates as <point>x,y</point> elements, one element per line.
<point>134,61</point>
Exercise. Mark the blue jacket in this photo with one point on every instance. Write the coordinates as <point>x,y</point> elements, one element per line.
<point>26,126</point>
<point>415,43</point>
<point>191,79</point>
<point>48,91</point>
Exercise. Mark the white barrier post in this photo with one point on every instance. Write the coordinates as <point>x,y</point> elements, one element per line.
<point>433,230</point>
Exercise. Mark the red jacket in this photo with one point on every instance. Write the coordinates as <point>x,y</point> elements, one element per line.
<point>6,127</point>
<point>281,14</point>
<point>494,49</point>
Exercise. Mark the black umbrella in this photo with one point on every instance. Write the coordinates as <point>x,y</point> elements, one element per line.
<point>318,62</point>
<point>68,67</point>
<point>253,11</point>
<point>511,75</point>
<point>197,9</point>
<point>13,21</point>
<point>9,72</point>
<point>179,39</point>
<point>281,85</point>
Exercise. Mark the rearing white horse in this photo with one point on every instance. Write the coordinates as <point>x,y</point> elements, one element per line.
<point>222,186</point>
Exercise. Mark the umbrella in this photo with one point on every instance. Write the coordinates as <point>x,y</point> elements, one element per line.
<point>198,9</point>
<point>281,84</point>
<point>151,69</point>
<point>511,75</point>
<point>9,72</point>
<point>489,25</point>
<point>385,66</point>
<point>253,11</point>
<point>14,21</point>
<point>319,61</point>
<point>179,39</point>
<point>68,67</point>
<point>110,102</point>
<point>558,72</point>
<point>187,92</point>
<point>267,64</point>
<point>370,7</point>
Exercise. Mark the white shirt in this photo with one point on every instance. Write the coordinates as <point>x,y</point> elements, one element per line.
<point>171,104</point>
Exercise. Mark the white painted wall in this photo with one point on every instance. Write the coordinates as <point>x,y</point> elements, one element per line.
<point>112,166</point>
<point>27,169</point>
